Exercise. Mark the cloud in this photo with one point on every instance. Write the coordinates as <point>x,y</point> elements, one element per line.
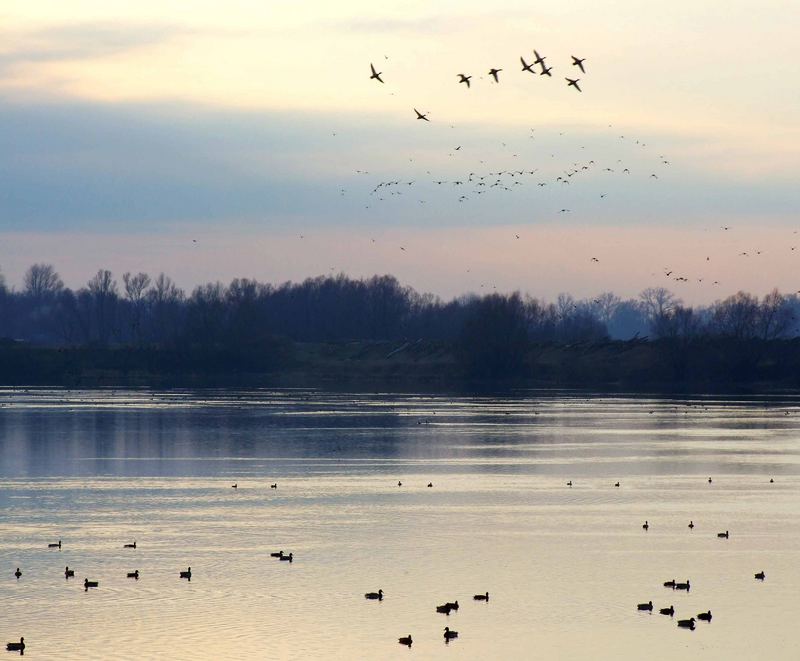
<point>83,41</point>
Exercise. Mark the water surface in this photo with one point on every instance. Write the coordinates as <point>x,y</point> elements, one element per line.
<point>565,567</point>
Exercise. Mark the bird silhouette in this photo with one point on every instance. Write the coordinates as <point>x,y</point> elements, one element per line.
<point>578,62</point>
<point>527,67</point>
<point>493,73</point>
<point>421,116</point>
<point>464,79</point>
<point>573,82</point>
<point>376,75</point>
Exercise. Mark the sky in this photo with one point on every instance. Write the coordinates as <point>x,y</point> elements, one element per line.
<point>212,141</point>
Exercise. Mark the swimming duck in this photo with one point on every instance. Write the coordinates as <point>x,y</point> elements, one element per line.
<point>670,584</point>
<point>16,647</point>
<point>481,597</point>
<point>646,607</point>
<point>691,524</point>
<point>273,486</point>
<point>453,605</point>
<point>399,483</point>
<point>569,484</point>
<point>616,484</point>
<point>449,635</point>
<point>18,573</point>
<point>686,624</point>
<point>405,640</point>
<point>90,584</point>
<point>761,576</point>
<point>235,486</point>
<point>68,572</point>
<point>287,558</point>
<point>430,484</point>
<point>55,546</point>
<point>186,574</point>
<point>667,611</point>
<point>444,608</point>
<point>646,525</point>
<point>129,546</point>
<point>279,554</point>
<point>683,586</point>
<point>723,535</point>
<point>374,595</point>
<point>134,574</point>
<point>706,617</point>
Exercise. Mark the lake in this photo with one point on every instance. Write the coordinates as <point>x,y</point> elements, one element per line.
<point>565,567</point>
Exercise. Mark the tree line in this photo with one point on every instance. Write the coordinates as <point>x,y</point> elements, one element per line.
<point>143,311</point>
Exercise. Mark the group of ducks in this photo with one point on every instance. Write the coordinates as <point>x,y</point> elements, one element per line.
<point>690,622</point>
<point>70,573</point>
<point>445,608</point>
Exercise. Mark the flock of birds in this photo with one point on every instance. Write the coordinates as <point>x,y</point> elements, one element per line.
<point>87,585</point>
<point>445,608</point>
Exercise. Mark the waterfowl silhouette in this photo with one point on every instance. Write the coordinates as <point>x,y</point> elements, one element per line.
<point>430,484</point>
<point>667,611</point>
<point>134,574</point>
<point>235,486</point>
<point>539,59</point>
<point>399,483</point>
<point>464,79</point>
<point>374,595</point>
<point>709,480</point>
<point>691,524</point>
<point>723,535</point>
<point>129,546</point>
<point>481,597</point>
<point>444,608</point>
<point>686,624</point>
<point>273,486</point>
<point>279,554</point>
<point>645,607</point>
<point>706,617</point>
<point>771,481</point>
<point>527,67</point>
<point>421,116</point>
<point>186,574</point>
<point>55,546</point>
<point>16,647</point>
<point>683,586</point>
<point>578,62</point>
<point>646,525</point>
<point>569,484</point>
<point>453,605</point>
<point>760,576</point>
<point>493,73</point>
<point>18,573</point>
<point>616,484</point>
<point>68,573</point>
<point>287,558</point>
<point>449,635</point>
<point>546,71</point>
<point>376,75</point>
<point>573,82</point>
<point>670,584</point>
<point>405,640</point>
<point>90,584</point>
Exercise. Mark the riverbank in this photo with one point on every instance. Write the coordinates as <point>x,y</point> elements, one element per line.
<point>422,365</point>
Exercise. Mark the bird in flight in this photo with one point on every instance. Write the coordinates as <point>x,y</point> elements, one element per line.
<point>375,74</point>
<point>577,62</point>
<point>464,79</point>
<point>539,59</point>
<point>573,82</point>
<point>527,67</point>
<point>421,116</point>
<point>546,71</point>
<point>493,73</point>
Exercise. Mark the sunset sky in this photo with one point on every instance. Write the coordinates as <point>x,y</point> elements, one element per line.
<point>215,140</point>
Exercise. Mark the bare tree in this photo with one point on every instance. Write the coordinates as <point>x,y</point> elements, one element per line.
<point>605,305</point>
<point>42,282</point>
<point>103,291</point>
<point>135,287</point>
<point>658,301</point>
<point>737,316</point>
<point>775,316</point>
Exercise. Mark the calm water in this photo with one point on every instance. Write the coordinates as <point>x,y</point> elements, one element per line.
<point>565,567</point>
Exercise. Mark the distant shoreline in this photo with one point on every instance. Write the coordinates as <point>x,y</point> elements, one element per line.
<point>615,366</point>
